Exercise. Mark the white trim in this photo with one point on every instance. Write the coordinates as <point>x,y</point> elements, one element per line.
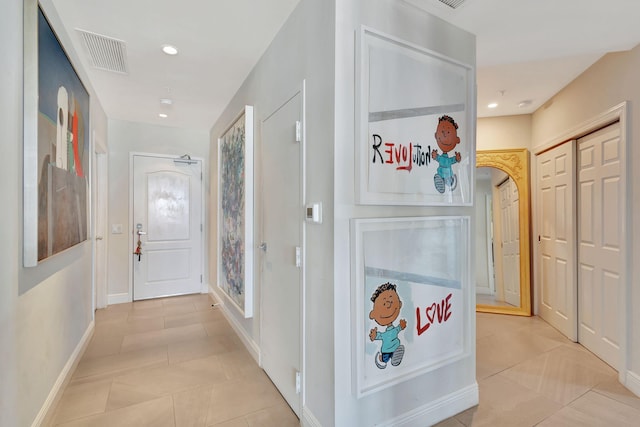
<point>308,419</point>
<point>118,298</point>
<point>249,343</point>
<point>438,410</point>
<point>49,405</point>
<point>632,382</point>
<point>617,112</point>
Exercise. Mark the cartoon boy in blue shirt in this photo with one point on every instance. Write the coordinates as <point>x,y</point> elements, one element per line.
<point>386,309</point>
<point>447,139</point>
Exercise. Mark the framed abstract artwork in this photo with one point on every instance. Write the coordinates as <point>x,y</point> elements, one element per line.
<point>56,144</point>
<point>235,207</point>
<point>411,300</point>
<point>415,124</point>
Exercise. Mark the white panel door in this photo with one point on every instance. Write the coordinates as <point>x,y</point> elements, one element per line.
<point>600,242</point>
<point>509,204</point>
<point>280,335</point>
<point>557,238</point>
<point>167,203</point>
<point>101,214</point>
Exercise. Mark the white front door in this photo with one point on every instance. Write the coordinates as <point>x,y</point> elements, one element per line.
<point>600,242</point>
<point>282,260</point>
<point>167,219</point>
<point>557,238</point>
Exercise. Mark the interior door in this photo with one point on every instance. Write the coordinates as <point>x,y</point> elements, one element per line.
<point>600,242</point>
<point>100,261</point>
<point>282,243</point>
<point>167,220</point>
<point>557,239</point>
<point>510,241</point>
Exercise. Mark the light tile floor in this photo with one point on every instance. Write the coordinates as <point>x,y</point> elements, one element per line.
<point>531,375</point>
<point>177,362</point>
<point>169,362</point>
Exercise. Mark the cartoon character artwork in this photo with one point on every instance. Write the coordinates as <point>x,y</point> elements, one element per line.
<point>386,309</point>
<point>447,138</point>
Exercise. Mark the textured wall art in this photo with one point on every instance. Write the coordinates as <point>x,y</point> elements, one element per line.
<point>56,146</point>
<point>235,227</point>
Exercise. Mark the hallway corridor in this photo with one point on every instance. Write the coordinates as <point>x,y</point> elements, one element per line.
<point>177,362</point>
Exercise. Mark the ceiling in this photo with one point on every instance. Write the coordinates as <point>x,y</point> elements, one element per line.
<point>527,50</point>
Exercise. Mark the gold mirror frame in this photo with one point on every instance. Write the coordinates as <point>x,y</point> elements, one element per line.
<point>515,163</point>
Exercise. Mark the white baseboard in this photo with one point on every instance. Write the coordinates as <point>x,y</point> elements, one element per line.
<point>118,298</point>
<point>632,382</point>
<point>46,411</point>
<point>441,409</point>
<point>308,419</point>
<point>249,343</point>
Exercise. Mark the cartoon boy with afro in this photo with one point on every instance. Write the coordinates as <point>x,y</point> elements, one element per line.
<point>447,139</point>
<point>386,309</point>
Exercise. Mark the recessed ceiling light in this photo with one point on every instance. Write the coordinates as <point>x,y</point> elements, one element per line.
<point>492,105</point>
<point>162,115</point>
<point>166,101</point>
<point>170,50</point>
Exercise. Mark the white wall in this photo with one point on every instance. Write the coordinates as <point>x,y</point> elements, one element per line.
<point>302,50</point>
<point>413,25</point>
<point>11,194</point>
<point>496,133</point>
<point>46,310</point>
<point>610,81</point>
<point>125,138</point>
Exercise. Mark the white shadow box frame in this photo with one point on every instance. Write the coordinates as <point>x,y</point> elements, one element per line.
<point>427,259</point>
<point>402,92</point>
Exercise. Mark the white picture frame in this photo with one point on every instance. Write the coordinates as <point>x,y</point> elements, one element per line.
<point>235,212</point>
<point>428,261</point>
<point>402,92</point>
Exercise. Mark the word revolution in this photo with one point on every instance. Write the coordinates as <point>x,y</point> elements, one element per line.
<point>439,312</point>
<point>404,156</point>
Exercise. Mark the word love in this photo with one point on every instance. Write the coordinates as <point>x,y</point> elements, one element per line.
<point>436,312</point>
<point>401,155</point>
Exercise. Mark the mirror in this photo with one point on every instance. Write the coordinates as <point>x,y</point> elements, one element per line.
<point>503,237</point>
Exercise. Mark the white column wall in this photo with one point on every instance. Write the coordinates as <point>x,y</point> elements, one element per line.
<point>413,25</point>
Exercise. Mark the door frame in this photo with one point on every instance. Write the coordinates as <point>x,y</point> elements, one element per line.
<point>204,288</point>
<point>616,113</point>
<point>100,194</point>
<point>300,89</point>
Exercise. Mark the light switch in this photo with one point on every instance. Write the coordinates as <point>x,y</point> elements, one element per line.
<point>314,213</point>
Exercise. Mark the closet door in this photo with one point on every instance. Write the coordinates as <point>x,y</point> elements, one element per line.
<point>557,239</point>
<point>600,242</point>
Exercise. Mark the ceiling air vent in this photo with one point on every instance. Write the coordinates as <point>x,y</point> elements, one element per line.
<point>106,53</point>
<point>453,4</point>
